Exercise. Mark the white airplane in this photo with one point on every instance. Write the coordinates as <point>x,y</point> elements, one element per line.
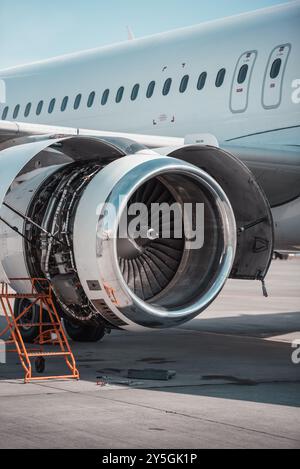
<point>206,114</point>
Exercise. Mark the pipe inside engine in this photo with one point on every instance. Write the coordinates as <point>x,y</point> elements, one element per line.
<point>50,248</point>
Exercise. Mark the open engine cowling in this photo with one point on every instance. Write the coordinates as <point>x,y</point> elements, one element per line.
<point>65,202</point>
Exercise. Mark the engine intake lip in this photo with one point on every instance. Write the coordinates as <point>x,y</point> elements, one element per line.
<point>161,313</point>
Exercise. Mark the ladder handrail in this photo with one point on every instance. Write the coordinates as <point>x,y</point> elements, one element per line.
<point>54,336</point>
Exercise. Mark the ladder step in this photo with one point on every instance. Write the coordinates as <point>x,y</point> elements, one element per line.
<point>41,324</point>
<point>48,378</point>
<point>25,296</point>
<point>47,354</point>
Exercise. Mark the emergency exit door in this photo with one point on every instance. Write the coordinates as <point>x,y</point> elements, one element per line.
<point>274,75</point>
<point>241,82</point>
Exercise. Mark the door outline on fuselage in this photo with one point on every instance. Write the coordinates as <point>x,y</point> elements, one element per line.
<point>244,88</point>
<point>268,79</point>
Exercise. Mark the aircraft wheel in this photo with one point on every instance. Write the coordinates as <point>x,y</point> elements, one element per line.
<point>40,365</point>
<point>29,333</point>
<point>81,333</point>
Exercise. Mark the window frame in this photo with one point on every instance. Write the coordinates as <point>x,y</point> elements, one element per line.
<point>39,107</point>
<point>120,94</point>
<point>91,99</point>
<point>184,84</point>
<point>273,68</point>
<point>64,104</point>
<point>5,113</point>
<point>135,92</point>
<point>16,111</point>
<point>202,81</point>
<point>77,101</point>
<point>27,109</point>
<point>105,97</point>
<point>167,86</point>
<point>51,105</point>
<point>242,77</point>
<point>220,78</point>
<point>151,89</point>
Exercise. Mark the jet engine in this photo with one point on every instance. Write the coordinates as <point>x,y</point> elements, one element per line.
<point>66,215</point>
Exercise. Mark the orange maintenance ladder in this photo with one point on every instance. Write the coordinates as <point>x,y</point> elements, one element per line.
<point>50,333</point>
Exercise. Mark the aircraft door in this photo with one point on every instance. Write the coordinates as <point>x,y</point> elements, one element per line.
<point>241,82</point>
<point>273,82</point>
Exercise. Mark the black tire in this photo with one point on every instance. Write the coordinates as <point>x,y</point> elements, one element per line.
<point>29,334</point>
<point>284,257</point>
<point>40,365</point>
<point>281,256</point>
<point>81,333</point>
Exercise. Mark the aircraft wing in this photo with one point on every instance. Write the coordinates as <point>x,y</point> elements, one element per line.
<point>276,167</point>
<point>13,130</point>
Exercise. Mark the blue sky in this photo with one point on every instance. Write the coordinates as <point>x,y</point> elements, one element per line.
<point>32,30</point>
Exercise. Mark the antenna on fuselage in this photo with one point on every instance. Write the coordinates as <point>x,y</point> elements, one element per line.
<point>130,34</point>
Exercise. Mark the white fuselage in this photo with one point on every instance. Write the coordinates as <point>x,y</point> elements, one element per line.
<point>260,110</point>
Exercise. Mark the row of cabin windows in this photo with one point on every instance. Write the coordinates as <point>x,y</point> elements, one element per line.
<point>119,96</point>
<point>242,75</point>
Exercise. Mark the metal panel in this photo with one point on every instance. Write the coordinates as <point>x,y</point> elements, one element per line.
<point>12,160</point>
<point>250,205</point>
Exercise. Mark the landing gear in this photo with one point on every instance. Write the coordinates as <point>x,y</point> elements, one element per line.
<point>40,365</point>
<point>29,333</point>
<point>281,256</point>
<point>81,333</point>
<point>76,331</point>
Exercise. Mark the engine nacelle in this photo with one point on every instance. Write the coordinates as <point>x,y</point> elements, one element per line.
<point>66,216</point>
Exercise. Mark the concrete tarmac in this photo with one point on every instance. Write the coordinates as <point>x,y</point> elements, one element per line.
<point>236,385</point>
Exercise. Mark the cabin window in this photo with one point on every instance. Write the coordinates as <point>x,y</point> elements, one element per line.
<point>105,97</point>
<point>27,110</point>
<point>202,81</point>
<point>91,99</point>
<point>51,105</point>
<point>39,108</point>
<point>184,84</point>
<point>135,92</point>
<point>119,95</point>
<point>16,111</point>
<point>64,104</point>
<point>77,101</point>
<point>167,86</point>
<point>275,69</point>
<point>4,113</point>
<point>220,77</point>
<point>242,74</point>
<point>150,89</point>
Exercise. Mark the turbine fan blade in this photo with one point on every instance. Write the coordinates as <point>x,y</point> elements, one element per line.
<point>150,269</point>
